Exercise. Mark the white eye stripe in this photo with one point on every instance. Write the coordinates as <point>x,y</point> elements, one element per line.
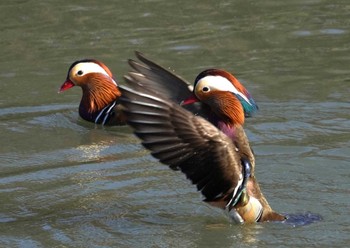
<point>88,67</point>
<point>218,83</point>
<point>114,82</point>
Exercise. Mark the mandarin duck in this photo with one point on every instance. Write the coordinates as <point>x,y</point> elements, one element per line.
<point>166,83</point>
<point>213,152</point>
<point>99,102</point>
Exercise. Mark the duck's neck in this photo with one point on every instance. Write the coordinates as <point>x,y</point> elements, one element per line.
<point>226,128</point>
<point>95,98</point>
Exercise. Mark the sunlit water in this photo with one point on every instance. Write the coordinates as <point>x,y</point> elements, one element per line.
<point>68,183</point>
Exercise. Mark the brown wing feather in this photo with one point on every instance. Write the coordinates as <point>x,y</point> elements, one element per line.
<point>183,141</point>
<point>160,79</point>
<point>164,82</point>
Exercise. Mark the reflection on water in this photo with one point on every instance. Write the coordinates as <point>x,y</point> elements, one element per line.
<point>68,183</point>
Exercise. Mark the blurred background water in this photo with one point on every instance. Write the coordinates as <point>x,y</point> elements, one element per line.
<point>68,183</point>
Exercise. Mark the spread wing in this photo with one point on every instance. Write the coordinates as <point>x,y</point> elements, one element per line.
<point>163,82</point>
<point>183,141</point>
<point>159,79</point>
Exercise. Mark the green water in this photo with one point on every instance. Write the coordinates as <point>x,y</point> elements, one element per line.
<point>67,183</point>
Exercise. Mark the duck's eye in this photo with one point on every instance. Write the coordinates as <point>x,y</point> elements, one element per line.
<point>205,89</point>
<point>80,72</point>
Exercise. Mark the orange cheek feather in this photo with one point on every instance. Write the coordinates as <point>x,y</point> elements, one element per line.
<point>226,105</point>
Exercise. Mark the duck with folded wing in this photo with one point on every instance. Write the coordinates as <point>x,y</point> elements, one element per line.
<point>99,103</point>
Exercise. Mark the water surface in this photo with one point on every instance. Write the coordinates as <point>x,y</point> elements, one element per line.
<point>68,183</point>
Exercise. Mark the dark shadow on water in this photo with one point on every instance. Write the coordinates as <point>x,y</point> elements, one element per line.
<point>302,219</point>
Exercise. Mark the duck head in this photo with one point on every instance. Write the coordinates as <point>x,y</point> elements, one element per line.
<point>224,94</point>
<point>96,80</point>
